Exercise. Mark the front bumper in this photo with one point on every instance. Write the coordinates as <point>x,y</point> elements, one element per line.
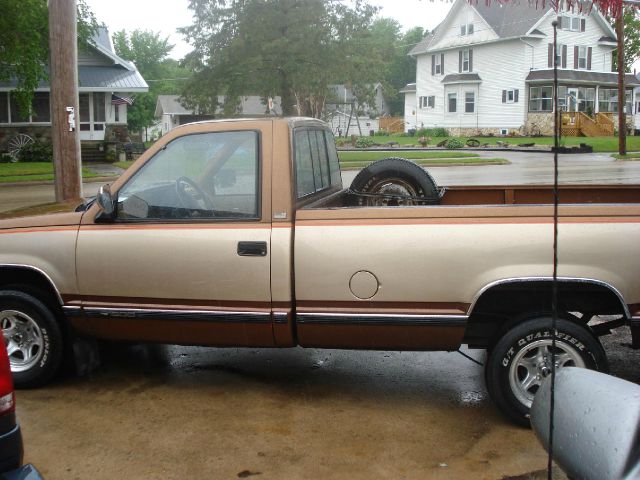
<point>11,450</point>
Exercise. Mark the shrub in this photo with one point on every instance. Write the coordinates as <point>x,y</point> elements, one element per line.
<point>432,132</point>
<point>364,142</point>
<point>382,133</point>
<point>5,158</point>
<point>36,152</point>
<point>454,143</point>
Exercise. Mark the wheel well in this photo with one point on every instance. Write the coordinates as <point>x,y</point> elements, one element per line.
<point>513,301</point>
<point>31,281</point>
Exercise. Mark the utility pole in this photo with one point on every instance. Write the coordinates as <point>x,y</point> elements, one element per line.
<point>622,95</point>
<point>63,74</point>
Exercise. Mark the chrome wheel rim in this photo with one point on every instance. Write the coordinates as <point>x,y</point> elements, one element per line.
<point>23,339</point>
<point>533,364</point>
<point>393,192</point>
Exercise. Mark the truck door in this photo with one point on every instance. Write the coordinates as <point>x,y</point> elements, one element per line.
<point>186,258</point>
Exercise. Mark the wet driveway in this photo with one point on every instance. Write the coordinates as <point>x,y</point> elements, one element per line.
<point>155,412</point>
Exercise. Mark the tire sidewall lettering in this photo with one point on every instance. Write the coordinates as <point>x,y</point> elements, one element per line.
<point>525,340</point>
<point>45,353</point>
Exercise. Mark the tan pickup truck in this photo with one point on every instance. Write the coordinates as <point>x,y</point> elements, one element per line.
<point>240,233</point>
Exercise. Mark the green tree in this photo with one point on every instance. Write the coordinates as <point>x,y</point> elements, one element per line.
<point>145,48</point>
<point>399,69</point>
<point>24,44</point>
<point>289,48</point>
<point>148,51</point>
<point>631,37</point>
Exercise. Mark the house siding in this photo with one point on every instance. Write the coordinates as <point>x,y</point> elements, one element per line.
<point>600,55</point>
<point>499,69</point>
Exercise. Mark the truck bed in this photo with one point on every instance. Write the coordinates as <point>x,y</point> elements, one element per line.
<point>511,195</point>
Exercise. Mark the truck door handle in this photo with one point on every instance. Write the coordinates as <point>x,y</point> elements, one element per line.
<point>252,249</point>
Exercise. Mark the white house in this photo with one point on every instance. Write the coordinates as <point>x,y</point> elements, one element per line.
<point>170,113</point>
<point>489,70</point>
<point>105,82</point>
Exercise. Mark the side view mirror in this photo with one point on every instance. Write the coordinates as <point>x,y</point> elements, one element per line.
<point>106,203</point>
<point>596,424</point>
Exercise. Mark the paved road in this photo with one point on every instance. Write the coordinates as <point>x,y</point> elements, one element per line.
<point>535,168</point>
<point>187,412</point>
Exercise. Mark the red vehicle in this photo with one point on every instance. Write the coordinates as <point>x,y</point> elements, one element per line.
<point>11,449</point>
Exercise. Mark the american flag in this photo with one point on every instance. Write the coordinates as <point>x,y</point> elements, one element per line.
<point>116,100</point>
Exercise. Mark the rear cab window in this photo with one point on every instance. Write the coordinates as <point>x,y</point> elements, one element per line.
<point>317,168</point>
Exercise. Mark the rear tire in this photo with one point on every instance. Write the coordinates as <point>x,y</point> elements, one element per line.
<point>520,360</point>
<point>32,336</point>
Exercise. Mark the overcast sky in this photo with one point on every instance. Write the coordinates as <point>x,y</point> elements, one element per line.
<point>166,16</point>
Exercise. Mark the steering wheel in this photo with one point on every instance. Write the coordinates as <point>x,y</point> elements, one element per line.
<point>191,195</point>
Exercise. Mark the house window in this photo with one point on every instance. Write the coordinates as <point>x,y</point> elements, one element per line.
<point>469,102</point>
<point>116,113</point>
<point>98,107</point>
<point>582,58</point>
<point>466,64</point>
<point>562,99</point>
<point>85,112</point>
<point>4,108</point>
<point>511,96</point>
<point>41,112</point>
<point>452,102</point>
<point>541,99</point>
<point>438,64</point>
<point>608,100</point>
<point>16,114</point>
<point>466,29</point>
<point>559,61</point>
<point>428,102</point>
<point>573,24</point>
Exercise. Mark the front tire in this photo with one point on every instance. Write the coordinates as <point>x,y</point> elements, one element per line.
<point>32,336</point>
<point>521,359</point>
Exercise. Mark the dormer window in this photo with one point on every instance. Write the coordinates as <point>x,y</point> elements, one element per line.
<point>573,23</point>
<point>466,29</point>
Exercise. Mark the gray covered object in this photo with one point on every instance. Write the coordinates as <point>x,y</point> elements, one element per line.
<point>597,424</point>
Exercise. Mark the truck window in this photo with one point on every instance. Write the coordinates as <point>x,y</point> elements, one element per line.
<point>209,175</point>
<point>316,161</point>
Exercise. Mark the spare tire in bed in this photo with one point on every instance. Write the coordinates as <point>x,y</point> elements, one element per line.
<point>394,181</point>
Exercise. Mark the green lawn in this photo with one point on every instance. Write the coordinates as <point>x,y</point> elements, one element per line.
<point>434,162</point>
<point>359,156</point>
<point>628,156</point>
<point>31,172</point>
<point>599,144</point>
<point>124,165</point>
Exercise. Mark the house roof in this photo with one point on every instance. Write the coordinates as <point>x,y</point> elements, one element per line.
<point>409,88</point>
<point>170,105</point>
<point>95,79</point>
<point>118,76</point>
<point>510,20</point>
<point>507,20</point>
<point>582,76</point>
<point>462,78</point>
